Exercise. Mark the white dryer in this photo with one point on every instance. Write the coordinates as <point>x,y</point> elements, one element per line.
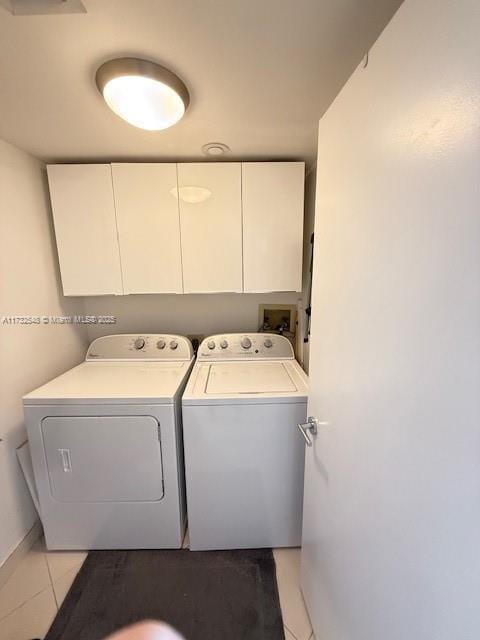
<point>106,445</point>
<point>244,456</point>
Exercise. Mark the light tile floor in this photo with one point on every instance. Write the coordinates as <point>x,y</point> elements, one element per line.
<point>32,596</point>
<point>295,617</point>
<point>30,599</point>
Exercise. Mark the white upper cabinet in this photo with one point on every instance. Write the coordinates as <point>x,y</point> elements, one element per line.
<point>148,227</point>
<point>272,194</point>
<point>206,227</point>
<point>85,229</point>
<point>211,226</point>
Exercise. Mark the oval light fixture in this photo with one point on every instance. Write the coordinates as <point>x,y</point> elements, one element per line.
<point>142,92</point>
<point>191,194</point>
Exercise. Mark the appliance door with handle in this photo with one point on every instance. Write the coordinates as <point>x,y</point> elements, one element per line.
<point>392,484</point>
<point>103,458</point>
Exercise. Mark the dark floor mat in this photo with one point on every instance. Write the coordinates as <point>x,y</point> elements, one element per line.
<point>214,595</point>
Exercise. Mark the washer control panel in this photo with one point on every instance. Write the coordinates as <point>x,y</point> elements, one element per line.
<point>148,346</point>
<point>245,346</point>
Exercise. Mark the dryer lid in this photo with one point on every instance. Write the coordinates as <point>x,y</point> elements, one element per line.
<point>249,377</point>
<point>119,382</point>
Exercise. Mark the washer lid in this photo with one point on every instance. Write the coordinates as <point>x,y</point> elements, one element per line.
<point>251,382</point>
<point>249,377</point>
<point>104,382</point>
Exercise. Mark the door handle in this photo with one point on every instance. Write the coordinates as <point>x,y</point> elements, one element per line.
<point>66,460</point>
<point>310,428</point>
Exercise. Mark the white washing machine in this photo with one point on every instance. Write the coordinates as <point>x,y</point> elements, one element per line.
<point>106,445</point>
<point>244,456</point>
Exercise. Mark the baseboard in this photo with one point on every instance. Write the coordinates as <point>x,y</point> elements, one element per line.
<point>14,559</point>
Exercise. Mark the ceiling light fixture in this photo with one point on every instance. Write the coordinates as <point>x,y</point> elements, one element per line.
<point>215,149</point>
<point>143,93</point>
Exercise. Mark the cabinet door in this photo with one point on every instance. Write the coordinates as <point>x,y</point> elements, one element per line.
<point>148,227</point>
<point>211,226</point>
<point>272,225</point>
<point>85,228</point>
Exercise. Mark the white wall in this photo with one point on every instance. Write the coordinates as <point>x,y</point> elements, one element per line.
<point>392,499</point>
<point>184,314</point>
<point>29,355</point>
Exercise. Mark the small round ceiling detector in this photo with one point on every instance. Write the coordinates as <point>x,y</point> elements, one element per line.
<point>142,92</point>
<point>215,149</point>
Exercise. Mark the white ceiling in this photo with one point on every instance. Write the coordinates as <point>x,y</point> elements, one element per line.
<point>260,74</point>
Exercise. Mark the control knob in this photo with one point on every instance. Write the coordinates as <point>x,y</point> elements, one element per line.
<point>246,343</point>
<point>139,343</point>
<point>268,343</point>
<point>161,344</point>
<point>211,344</point>
<point>223,344</point>
<point>173,344</point>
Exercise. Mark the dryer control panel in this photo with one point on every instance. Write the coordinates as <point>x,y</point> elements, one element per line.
<point>245,346</point>
<point>145,346</point>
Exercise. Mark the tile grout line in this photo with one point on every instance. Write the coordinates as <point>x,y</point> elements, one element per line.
<point>302,599</point>
<point>24,602</point>
<point>51,580</point>
<point>290,631</point>
<point>310,637</point>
